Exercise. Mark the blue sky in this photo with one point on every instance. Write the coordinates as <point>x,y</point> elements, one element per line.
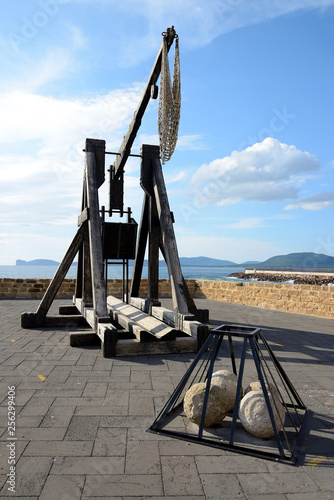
<point>253,172</point>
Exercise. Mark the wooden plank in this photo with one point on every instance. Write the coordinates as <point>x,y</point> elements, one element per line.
<point>98,147</point>
<point>139,303</point>
<point>83,338</point>
<point>135,348</point>
<point>95,238</point>
<point>108,335</point>
<point>69,320</point>
<point>68,310</point>
<point>83,216</point>
<point>193,328</point>
<point>106,331</point>
<point>190,327</point>
<point>138,322</point>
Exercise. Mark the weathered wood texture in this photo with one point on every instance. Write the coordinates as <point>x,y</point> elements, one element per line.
<point>95,238</point>
<point>168,240</point>
<point>143,326</point>
<point>141,248</point>
<point>196,329</point>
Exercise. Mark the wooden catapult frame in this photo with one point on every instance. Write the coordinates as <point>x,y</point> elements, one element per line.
<point>133,325</point>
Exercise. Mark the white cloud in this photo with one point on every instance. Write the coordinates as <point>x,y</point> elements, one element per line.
<point>247,223</point>
<point>197,22</point>
<point>266,171</point>
<point>42,166</point>
<point>29,72</point>
<point>191,142</point>
<point>55,122</point>
<point>313,202</point>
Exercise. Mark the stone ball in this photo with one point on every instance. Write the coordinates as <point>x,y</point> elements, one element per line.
<point>216,408</point>
<point>254,415</point>
<point>256,386</point>
<point>227,381</point>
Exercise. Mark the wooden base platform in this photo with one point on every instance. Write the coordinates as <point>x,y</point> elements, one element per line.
<point>129,331</point>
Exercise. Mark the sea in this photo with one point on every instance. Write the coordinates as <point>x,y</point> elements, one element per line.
<point>115,272</point>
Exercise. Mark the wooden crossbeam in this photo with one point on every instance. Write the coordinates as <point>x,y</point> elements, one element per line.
<point>143,326</point>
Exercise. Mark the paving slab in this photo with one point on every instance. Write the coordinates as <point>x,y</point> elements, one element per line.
<point>81,419</point>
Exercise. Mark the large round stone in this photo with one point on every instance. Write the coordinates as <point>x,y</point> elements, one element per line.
<point>216,408</point>
<point>227,381</point>
<point>256,386</point>
<point>254,415</point>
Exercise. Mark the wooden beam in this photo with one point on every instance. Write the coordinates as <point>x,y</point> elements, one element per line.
<point>141,248</point>
<point>84,338</point>
<point>127,142</point>
<point>95,238</point>
<point>98,147</point>
<point>169,240</point>
<point>144,326</point>
<point>83,216</point>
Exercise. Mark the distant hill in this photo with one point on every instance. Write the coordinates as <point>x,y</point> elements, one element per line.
<point>205,261</point>
<point>39,262</point>
<point>299,260</point>
<point>250,263</point>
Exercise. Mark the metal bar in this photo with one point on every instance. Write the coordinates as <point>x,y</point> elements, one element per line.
<point>238,391</point>
<point>279,392</point>
<point>266,397</point>
<point>118,154</point>
<point>180,386</point>
<point>225,446</point>
<point>284,375</point>
<point>230,343</point>
<point>208,384</point>
<point>265,364</point>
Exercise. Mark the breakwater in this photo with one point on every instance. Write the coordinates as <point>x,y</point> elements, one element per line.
<point>302,278</point>
<point>313,300</point>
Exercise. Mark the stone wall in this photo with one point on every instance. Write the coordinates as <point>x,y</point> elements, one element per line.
<point>302,299</point>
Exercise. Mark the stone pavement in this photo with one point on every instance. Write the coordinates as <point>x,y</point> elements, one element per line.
<point>81,419</point>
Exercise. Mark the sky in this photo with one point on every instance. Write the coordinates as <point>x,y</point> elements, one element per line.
<point>252,175</point>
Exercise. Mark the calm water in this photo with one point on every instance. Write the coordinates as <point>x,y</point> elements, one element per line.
<point>115,271</point>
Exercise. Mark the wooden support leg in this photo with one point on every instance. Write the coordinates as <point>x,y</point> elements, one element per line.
<point>169,241</point>
<point>31,320</point>
<point>95,238</point>
<point>141,247</point>
<point>153,256</point>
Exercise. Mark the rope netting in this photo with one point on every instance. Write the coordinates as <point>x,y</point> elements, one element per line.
<point>169,103</point>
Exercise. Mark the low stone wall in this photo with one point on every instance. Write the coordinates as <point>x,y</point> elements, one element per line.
<point>303,299</point>
<point>34,288</point>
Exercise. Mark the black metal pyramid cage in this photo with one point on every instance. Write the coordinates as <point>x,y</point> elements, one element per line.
<point>250,357</point>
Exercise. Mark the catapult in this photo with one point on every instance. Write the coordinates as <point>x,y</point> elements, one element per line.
<point>132,325</point>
